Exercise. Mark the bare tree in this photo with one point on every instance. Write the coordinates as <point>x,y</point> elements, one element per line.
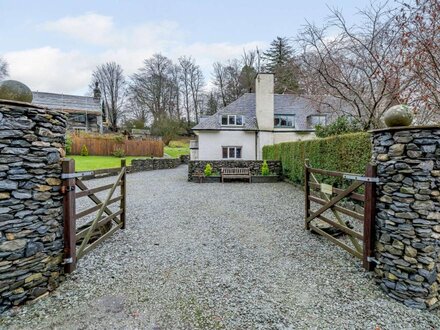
<point>250,62</point>
<point>186,64</point>
<point>420,37</point>
<point>3,69</point>
<point>361,65</point>
<point>196,83</point>
<point>227,80</point>
<point>152,86</point>
<point>111,81</point>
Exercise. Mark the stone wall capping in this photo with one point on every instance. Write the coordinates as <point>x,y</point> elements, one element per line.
<point>20,104</point>
<point>404,128</point>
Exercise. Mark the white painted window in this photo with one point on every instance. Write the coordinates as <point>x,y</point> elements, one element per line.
<point>284,121</point>
<point>232,120</point>
<point>231,152</point>
<point>318,120</point>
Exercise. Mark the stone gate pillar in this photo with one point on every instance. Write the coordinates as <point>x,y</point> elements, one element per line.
<point>31,224</point>
<point>408,214</point>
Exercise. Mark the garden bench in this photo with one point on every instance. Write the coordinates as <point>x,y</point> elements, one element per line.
<point>199,174</point>
<point>236,173</point>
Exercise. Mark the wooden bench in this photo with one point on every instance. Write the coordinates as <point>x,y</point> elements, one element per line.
<point>236,173</point>
<point>199,174</point>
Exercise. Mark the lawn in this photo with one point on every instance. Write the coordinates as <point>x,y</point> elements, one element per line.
<point>88,163</point>
<point>176,151</point>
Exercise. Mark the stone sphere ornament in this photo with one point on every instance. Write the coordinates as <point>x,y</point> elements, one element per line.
<point>398,115</point>
<point>15,91</point>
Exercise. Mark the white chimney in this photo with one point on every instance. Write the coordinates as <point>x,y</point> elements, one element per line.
<point>264,102</point>
<point>264,85</point>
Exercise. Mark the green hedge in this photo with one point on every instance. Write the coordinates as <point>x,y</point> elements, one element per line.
<point>345,153</point>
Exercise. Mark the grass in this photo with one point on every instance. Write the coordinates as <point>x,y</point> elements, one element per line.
<point>176,148</point>
<point>176,152</point>
<point>89,163</point>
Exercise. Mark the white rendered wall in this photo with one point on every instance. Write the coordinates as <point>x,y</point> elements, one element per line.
<point>194,154</point>
<point>211,143</point>
<point>264,139</point>
<point>291,137</point>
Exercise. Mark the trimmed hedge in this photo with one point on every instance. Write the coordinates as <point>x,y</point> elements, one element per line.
<point>345,153</point>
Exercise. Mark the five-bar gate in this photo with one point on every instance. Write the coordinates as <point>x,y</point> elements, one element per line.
<point>334,214</point>
<point>79,240</point>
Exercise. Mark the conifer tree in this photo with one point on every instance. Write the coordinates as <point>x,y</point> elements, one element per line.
<point>279,60</point>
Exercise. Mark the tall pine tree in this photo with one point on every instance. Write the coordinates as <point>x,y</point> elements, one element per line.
<point>279,60</point>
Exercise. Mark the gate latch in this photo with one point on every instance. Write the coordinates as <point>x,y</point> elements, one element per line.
<point>361,178</point>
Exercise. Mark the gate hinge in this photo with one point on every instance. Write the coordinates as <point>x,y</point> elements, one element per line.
<point>371,259</point>
<point>68,261</point>
<point>65,189</point>
<point>361,178</point>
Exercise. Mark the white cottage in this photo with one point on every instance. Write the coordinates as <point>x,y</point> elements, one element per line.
<point>241,129</point>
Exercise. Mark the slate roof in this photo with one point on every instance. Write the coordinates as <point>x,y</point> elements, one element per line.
<point>284,104</point>
<point>68,103</point>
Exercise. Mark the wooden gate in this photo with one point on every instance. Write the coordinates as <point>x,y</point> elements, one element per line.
<point>361,190</point>
<point>80,240</point>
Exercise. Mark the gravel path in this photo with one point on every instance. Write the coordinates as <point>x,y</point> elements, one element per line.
<point>210,256</point>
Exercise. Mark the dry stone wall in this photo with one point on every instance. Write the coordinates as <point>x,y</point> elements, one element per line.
<point>138,165</point>
<point>254,165</point>
<point>31,230</point>
<point>408,214</point>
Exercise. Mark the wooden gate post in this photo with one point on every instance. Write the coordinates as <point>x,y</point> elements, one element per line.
<point>307,192</point>
<point>68,188</point>
<point>369,216</point>
<point>123,204</point>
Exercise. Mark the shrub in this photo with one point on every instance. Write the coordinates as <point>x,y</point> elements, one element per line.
<point>265,169</point>
<point>69,143</point>
<point>118,152</point>
<point>342,125</point>
<point>345,153</point>
<point>84,150</point>
<point>208,170</point>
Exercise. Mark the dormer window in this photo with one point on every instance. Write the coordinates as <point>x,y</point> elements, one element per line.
<point>232,120</point>
<point>284,121</point>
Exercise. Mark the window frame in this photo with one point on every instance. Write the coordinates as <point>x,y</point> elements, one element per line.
<point>228,152</point>
<point>234,117</point>
<point>313,125</point>
<point>279,117</point>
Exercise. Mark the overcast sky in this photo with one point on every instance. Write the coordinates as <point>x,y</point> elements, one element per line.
<point>54,46</point>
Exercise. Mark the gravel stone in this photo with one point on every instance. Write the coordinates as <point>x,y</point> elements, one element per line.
<point>212,256</point>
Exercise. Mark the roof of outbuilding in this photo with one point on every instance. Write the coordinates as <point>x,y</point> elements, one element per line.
<point>68,103</point>
<point>284,104</point>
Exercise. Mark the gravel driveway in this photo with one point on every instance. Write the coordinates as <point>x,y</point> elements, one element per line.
<point>208,256</point>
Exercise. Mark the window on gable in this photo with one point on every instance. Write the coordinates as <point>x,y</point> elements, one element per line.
<point>231,152</point>
<point>284,121</point>
<point>232,120</point>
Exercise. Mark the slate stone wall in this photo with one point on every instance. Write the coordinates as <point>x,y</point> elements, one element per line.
<point>408,214</point>
<point>254,165</point>
<point>138,165</point>
<point>31,230</point>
